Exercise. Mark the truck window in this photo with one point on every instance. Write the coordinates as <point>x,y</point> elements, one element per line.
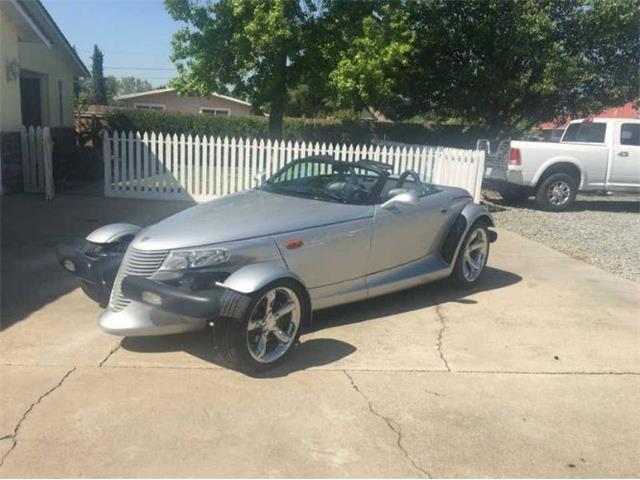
<point>630,134</point>
<point>585,132</point>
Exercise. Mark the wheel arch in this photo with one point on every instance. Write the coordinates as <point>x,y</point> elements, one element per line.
<point>470,214</point>
<point>252,278</point>
<point>568,166</point>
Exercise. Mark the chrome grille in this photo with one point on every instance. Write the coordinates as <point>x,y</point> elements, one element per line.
<point>135,262</point>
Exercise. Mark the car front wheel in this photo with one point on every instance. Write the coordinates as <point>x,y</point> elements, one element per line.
<point>265,331</point>
<point>472,257</point>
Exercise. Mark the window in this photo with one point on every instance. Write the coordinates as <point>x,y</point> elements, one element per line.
<point>149,106</point>
<point>215,112</point>
<point>585,132</point>
<point>630,134</point>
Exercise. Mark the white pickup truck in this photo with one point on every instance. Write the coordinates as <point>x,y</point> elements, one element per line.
<point>600,154</point>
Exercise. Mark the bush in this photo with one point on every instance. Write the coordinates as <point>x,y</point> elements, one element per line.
<point>315,130</point>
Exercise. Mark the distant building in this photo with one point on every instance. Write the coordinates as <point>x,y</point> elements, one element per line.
<point>168,100</point>
<point>628,110</point>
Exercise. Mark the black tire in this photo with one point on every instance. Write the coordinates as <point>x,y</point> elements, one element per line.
<point>230,330</point>
<point>458,274</point>
<point>550,201</point>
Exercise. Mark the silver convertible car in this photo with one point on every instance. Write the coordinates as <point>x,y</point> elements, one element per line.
<point>253,266</point>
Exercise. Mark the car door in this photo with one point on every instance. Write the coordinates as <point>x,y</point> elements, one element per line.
<point>404,233</point>
<point>624,170</point>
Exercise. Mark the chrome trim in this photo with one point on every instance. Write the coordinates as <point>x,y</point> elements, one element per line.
<point>136,262</point>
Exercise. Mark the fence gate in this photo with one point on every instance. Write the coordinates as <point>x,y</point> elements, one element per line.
<point>37,170</point>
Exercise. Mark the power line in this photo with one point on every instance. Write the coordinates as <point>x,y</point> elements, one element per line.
<point>141,68</point>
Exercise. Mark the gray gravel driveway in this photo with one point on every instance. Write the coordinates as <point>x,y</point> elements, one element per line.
<point>601,230</point>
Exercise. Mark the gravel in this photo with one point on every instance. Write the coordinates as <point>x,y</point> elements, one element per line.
<point>601,230</point>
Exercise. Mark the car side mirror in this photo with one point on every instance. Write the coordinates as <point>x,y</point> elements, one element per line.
<point>260,179</point>
<point>409,197</point>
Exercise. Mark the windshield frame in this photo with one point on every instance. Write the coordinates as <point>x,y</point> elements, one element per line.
<point>374,195</point>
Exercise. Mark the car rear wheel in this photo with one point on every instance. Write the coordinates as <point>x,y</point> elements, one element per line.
<point>473,256</point>
<point>266,331</point>
<point>557,192</point>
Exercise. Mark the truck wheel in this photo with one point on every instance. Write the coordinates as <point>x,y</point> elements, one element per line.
<point>557,192</point>
<point>472,257</point>
<point>264,332</point>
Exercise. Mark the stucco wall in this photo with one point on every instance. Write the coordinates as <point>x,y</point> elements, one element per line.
<point>10,115</point>
<point>37,57</point>
<point>186,104</point>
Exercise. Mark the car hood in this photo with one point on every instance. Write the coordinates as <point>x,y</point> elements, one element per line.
<point>249,214</point>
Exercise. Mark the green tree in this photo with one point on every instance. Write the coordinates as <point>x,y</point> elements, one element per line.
<point>99,87</point>
<point>248,48</point>
<point>509,64</point>
<point>127,85</point>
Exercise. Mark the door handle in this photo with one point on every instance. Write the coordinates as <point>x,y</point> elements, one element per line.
<point>623,154</point>
<point>444,210</point>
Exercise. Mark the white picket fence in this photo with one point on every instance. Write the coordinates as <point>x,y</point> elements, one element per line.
<point>143,165</point>
<point>37,169</point>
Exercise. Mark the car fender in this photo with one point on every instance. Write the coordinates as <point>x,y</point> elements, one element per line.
<point>112,232</point>
<point>251,278</point>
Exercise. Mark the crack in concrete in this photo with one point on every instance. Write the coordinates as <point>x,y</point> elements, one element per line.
<point>439,340</point>
<point>392,424</point>
<point>16,429</point>
<point>113,350</point>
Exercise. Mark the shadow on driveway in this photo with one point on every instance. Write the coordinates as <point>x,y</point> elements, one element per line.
<point>30,276</point>
<point>317,352</point>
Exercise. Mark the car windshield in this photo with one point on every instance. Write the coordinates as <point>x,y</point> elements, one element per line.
<point>326,180</point>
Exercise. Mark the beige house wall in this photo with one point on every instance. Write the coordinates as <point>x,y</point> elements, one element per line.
<point>10,112</point>
<point>186,104</point>
<point>55,72</point>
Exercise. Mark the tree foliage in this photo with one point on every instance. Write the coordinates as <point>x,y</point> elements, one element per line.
<point>509,64</point>
<point>243,47</point>
<point>99,87</point>
<point>499,64</point>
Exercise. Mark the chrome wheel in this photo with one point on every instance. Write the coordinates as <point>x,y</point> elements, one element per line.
<point>559,193</point>
<point>475,254</point>
<point>273,324</point>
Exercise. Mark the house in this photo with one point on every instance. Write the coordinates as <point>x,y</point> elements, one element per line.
<point>628,110</point>
<point>167,99</point>
<point>38,68</point>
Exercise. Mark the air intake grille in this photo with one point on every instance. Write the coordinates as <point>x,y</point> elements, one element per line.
<point>135,262</point>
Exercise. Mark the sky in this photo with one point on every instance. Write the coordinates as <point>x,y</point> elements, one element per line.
<point>134,35</point>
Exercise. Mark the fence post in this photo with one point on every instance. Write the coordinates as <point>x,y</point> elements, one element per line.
<point>47,153</point>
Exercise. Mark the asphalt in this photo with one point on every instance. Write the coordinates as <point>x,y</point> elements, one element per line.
<point>536,373</point>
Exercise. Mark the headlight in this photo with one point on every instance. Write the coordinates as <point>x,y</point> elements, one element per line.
<point>184,259</point>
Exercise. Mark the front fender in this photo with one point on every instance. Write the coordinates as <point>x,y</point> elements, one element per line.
<point>112,232</point>
<point>251,278</point>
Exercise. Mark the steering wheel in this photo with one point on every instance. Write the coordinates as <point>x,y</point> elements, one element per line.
<point>408,173</point>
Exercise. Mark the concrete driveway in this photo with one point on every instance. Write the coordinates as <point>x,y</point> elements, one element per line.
<point>536,373</point>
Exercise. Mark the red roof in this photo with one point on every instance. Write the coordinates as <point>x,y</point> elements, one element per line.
<point>625,111</point>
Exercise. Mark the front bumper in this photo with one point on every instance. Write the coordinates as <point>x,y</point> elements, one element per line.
<point>160,309</point>
<point>138,319</point>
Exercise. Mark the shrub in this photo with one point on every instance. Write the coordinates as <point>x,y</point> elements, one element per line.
<point>314,130</point>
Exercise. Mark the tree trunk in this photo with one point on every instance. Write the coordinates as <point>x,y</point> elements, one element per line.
<point>278,96</point>
<point>275,118</point>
